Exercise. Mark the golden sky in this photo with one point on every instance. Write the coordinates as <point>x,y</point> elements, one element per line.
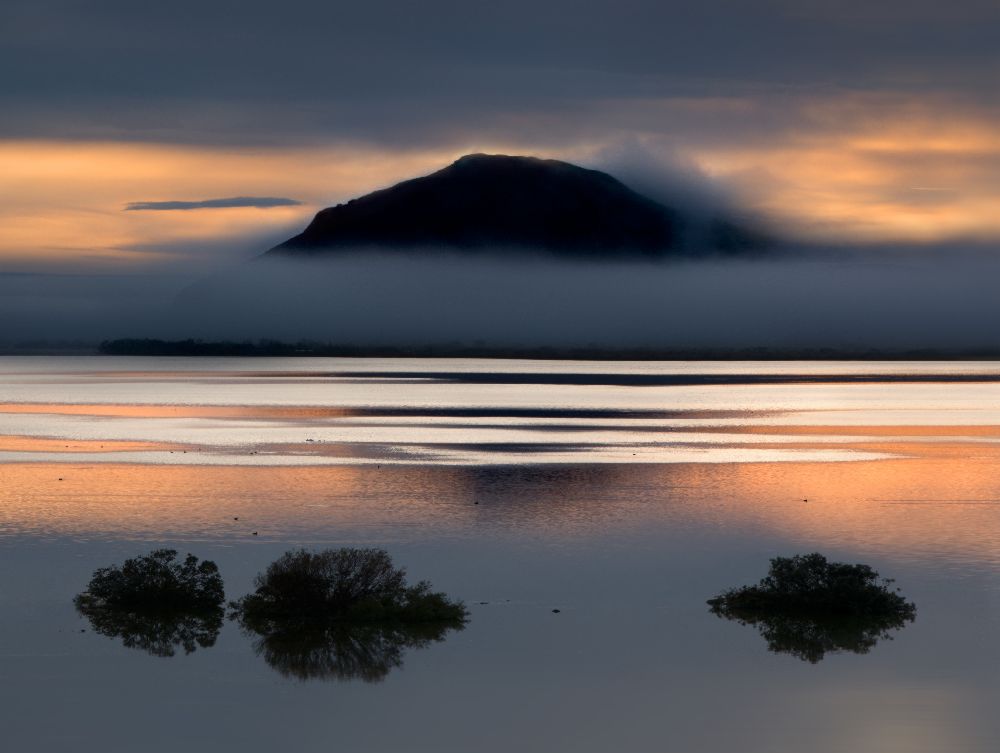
<point>65,201</point>
<point>853,168</point>
<point>858,170</point>
<point>874,170</point>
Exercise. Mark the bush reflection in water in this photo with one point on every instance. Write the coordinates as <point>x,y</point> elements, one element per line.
<point>367,652</point>
<point>159,633</point>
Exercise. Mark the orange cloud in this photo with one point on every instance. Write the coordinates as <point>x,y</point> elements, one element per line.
<point>854,167</point>
<point>65,200</point>
<point>874,168</point>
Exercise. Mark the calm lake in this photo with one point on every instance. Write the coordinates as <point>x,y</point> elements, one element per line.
<point>621,494</point>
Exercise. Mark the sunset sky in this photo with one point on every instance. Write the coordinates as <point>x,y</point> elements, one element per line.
<point>840,122</point>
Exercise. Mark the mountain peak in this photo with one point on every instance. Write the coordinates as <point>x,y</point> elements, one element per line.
<point>493,202</point>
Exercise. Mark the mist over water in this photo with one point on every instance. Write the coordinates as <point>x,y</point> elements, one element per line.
<point>795,296</point>
<point>884,299</point>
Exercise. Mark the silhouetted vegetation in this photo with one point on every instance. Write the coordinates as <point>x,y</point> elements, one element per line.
<point>155,603</point>
<point>808,607</point>
<point>155,347</point>
<point>346,586</point>
<point>156,581</point>
<point>342,614</point>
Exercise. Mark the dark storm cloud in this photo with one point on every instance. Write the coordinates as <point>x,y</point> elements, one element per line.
<point>408,72</point>
<point>257,202</point>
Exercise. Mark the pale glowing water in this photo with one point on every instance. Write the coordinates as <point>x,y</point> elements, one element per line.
<point>623,494</point>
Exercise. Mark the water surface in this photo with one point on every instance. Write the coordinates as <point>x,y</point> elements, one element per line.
<point>621,494</point>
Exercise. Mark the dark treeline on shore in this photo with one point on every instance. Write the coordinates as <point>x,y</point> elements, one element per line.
<point>190,347</point>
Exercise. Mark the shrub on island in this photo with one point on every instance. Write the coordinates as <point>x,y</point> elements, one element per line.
<point>808,606</point>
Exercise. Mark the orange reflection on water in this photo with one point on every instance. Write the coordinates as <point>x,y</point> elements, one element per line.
<point>159,501</point>
<point>944,505</point>
<point>902,430</point>
<point>10,443</point>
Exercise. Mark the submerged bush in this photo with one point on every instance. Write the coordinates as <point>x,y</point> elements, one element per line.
<point>155,603</point>
<point>155,581</point>
<point>807,606</point>
<point>342,614</point>
<point>342,585</point>
<point>807,584</point>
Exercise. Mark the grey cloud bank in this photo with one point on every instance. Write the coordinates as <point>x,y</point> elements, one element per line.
<point>257,202</point>
<point>444,71</point>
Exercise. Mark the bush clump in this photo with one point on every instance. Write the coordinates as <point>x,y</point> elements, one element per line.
<point>341,586</point>
<point>156,581</point>
<point>807,584</point>
<point>808,606</point>
<point>345,614</point>
<point>155,603</point>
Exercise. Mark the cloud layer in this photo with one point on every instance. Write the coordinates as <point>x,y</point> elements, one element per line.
<point>441,72</point>
<point>256,202</point>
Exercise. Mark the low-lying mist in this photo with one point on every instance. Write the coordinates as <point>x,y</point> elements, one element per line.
<point>945,299</point>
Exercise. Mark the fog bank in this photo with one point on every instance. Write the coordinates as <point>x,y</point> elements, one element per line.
<point>879,300</point>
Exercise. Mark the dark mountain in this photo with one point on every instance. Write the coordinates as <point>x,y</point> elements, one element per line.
<point>488,202</point>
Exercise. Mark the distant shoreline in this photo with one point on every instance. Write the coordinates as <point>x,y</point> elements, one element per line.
<point>269,348</point>
<point>310,349</point>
